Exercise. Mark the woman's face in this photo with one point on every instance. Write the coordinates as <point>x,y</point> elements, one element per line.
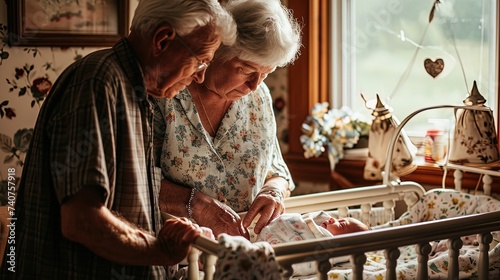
<point>343,225</point>
<point>235,78</point>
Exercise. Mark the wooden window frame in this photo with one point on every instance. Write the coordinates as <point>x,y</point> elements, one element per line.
<point>308,83</point>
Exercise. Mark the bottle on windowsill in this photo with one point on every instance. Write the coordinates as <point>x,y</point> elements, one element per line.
<point>435,145</point>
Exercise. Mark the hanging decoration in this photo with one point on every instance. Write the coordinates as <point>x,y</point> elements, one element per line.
<point>475,138</point>
<point>434,68</point>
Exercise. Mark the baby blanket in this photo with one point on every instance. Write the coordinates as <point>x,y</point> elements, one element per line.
<point>238,258</point>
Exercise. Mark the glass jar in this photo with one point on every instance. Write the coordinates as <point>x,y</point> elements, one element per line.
<point>435,145</point>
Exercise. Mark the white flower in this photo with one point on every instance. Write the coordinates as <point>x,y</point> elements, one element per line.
<point>336,129</point>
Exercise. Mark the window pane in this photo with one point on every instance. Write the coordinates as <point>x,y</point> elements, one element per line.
<point>386,42</point>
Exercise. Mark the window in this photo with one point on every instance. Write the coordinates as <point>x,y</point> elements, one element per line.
<point>382,46</point>
<point>320,74</point>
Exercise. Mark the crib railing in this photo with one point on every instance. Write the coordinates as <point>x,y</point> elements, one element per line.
<point>357,244</point>
<point>487,174</point>
<point>364,197</point>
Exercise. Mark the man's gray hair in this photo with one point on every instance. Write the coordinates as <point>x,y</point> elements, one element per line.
<point>267,33</point>
<point>184,16</point>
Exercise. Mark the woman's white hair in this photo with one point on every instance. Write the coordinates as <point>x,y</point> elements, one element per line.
<point>267,33</point>
<point>184,16</point>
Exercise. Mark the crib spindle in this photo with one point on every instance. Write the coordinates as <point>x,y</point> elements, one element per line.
<point>323,268</point>
<point>391,256</point>
<point>357,262</point>
<point>208,262</point>
<point>484,245</point>
<point>389,210</point>
<point>343,211</point>
<point>423,251</point>
<point>366,209</point>
<point>458,175</point>
<point>287,271</point>
<point>487,180</point>
<point>193,263</point>
<point>454,246</point>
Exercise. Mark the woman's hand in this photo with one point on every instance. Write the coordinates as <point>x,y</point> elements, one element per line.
<point>205,210</point>
<point>269,204</point>
<point>217,216</point>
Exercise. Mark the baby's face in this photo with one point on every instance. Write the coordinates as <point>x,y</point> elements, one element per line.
<point>343,225</point>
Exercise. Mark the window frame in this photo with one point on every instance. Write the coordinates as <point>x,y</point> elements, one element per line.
<point>311,73</point>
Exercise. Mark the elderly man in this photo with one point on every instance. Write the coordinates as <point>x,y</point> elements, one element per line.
<point>87,202</point>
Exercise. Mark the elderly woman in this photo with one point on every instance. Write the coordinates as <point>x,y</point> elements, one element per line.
<point>220,153</point>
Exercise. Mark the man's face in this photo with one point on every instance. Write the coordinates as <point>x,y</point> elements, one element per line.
<point>177,67</point>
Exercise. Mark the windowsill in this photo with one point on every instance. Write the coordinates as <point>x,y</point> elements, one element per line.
<point>427,174</point>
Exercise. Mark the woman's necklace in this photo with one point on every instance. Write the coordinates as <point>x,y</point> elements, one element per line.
<point>214,112</point>
<point>206,115</point>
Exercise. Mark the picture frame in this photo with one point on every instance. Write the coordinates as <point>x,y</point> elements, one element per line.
<point>70,23</point>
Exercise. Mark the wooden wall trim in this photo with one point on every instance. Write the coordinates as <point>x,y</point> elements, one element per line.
<point>498,74</point>
<point>299,79</point>
<point>324,51</point>
<point>308,75</point>
<point>314,52</point>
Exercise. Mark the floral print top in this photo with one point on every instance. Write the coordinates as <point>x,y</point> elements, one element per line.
<point>231,167</point>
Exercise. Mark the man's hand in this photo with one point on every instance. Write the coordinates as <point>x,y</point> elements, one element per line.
<point>176,238</point>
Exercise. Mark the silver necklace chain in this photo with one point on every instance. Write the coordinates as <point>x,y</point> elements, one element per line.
<point>206,115</point>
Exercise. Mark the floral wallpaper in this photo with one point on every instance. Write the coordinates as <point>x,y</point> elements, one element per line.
<point>26,76</point>
<point>278,85</point>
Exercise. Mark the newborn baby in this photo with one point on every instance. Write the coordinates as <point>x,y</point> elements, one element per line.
<point>294,227</point>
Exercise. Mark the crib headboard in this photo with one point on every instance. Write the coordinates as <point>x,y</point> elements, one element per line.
<point>362,199</point>
<point>409,192</point>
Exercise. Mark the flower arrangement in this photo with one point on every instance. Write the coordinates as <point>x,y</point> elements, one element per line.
<point>335,129</point>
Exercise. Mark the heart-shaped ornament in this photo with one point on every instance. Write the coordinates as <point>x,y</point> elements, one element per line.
<point>434,68</point>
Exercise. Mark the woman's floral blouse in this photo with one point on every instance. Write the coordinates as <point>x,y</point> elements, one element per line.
<point>232,166</point>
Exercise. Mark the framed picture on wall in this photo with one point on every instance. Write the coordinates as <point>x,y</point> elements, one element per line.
<point>67,23</point>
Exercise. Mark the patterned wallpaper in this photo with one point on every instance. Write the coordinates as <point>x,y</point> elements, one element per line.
<point>26,76</point>
<point>278,85</point>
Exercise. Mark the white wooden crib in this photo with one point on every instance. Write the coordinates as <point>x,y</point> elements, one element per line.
<point>357,245</point>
